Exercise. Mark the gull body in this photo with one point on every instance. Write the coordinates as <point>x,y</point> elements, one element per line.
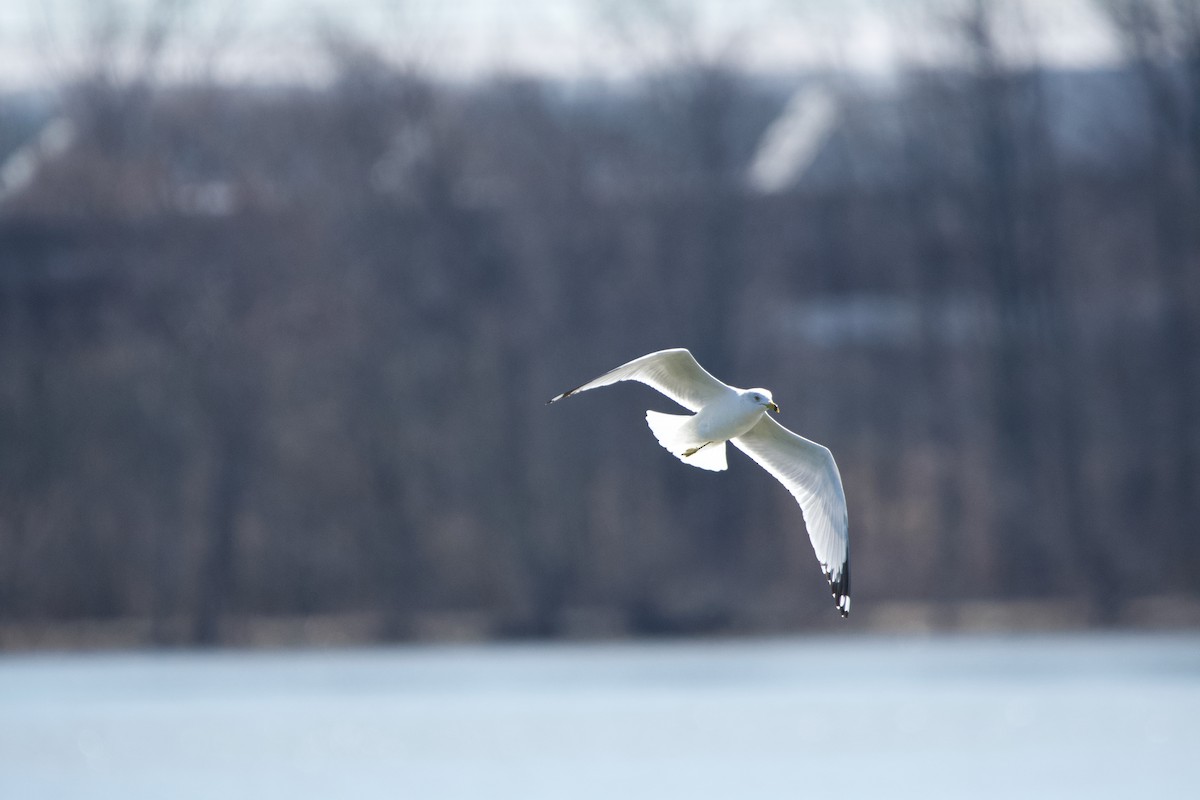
<point>731,416</point>
<point>724,413</point>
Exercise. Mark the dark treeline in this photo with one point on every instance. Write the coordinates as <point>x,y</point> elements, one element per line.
<point>279,352</point>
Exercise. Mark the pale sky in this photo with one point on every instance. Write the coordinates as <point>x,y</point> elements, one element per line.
<point>270,40</point>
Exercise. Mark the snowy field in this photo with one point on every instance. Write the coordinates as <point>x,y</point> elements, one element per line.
<point>1088,716</point>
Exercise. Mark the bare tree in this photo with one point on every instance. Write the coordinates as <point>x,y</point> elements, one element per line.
<point>1161,39</point>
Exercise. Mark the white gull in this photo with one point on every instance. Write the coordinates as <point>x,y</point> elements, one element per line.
<point>725,413</point>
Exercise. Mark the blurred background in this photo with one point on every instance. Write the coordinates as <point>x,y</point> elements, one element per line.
<point>284,288</point>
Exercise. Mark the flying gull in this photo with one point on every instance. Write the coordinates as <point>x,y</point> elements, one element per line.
<point>725,413</point>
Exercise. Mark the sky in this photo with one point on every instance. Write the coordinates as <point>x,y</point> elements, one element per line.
<point>271,40</point>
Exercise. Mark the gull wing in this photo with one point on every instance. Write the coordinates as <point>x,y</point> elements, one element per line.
<point>675,373</point>
<point>809,472</point>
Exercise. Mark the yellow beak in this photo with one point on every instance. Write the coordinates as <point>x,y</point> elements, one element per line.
<point>773,407</point>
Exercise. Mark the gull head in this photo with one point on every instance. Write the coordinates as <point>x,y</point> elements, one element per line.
<point>761,397</point>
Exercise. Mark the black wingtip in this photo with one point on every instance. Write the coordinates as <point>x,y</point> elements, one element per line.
<point>565,394</point>
<point>840,588</point>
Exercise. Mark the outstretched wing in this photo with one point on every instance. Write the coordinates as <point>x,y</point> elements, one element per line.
<point>808,471</point>
<point>675,373</point>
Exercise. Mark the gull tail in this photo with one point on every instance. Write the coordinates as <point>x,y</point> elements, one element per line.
<point>676,435</point>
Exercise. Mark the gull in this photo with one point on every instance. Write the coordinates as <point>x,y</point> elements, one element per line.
<point>723,413</point>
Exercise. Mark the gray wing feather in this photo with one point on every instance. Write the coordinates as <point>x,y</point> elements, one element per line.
<point>809,472</point>
<point>675,373</point>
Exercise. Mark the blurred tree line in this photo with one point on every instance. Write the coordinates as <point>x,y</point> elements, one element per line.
<point>284,351</point>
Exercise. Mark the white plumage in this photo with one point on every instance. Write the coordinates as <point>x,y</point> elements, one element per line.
<point>725,413</point>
